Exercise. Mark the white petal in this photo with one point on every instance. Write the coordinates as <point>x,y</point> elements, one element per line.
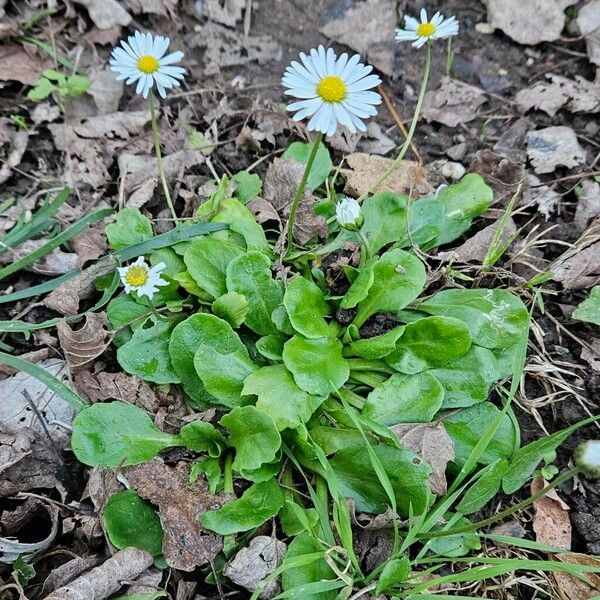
<point>352,62</point>
<point>342,116</point>
<point>411,23</point>
<point>437,18</point>
<point>359,72</point>
<point>423,16</point>
<point>330,61</point>
<point>365,97</point>
<point>366,83</point>
<point>341,63</point>
<point>177,72</point>
<point>405,36</point>
<point>174,57</point>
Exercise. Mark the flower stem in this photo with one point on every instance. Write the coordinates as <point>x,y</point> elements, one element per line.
<point>411,131</point>
<point>159,160</point>
<point>300,190</point>
<point>228,474</point>
<point>366,255</point>
<point>449,58</point>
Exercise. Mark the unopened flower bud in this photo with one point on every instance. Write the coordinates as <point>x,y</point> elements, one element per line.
<point>587,457</point>
<point>348,215</point>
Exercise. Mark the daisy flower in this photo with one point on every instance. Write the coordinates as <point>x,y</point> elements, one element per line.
<point>348,215</point>
<point>141,278</point>
<point>420,33</point>
<point>142,58</point>
<point>331,90</point>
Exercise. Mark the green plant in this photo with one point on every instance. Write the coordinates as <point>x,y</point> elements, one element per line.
<point>62,86</point>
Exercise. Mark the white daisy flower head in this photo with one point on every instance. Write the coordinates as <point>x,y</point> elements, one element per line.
<point>428,29</point>
<point>587,457</point>
<point>143,58</point>
<point>331,90</point>
<point>348,215</point>
<point>141,278</point>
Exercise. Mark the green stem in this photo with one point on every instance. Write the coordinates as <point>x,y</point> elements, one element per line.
<point>509,511</point>
<point>366,255</point>
<point>228,474</point>
<point>449,58</point>
<point>411,131</point>
<point>159,159</point>
<point>300,191</point>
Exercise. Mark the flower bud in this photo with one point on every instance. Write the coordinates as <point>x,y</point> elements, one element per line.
<point>348,215</point>
<point>587,457</point>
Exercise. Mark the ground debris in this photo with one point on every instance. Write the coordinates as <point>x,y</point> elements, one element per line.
<point>186,543</point>
<point>588,204</point>
<point>18,145</point>
<point>54,263</point>
<point>553,147</point>
<point>228,12</point>
<point>453,103</point>
<point>106,13</point>
<point>588,21</point>
<point>18,64</point>
<point>85,344</point>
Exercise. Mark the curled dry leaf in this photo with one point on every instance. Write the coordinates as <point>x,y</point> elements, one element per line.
<point>528,22</point>
<point>253,563</point>
<point>366,169</point>
<point>281,181</point>
<point>85,344</point>
<point>106,13</point>
<point>553,147</point>
<point>88,245</point>
<point>432,443</point>
<point>453,103</point>
<point>65,573</point>
<point>576,95</point>
<point>106,579</point>
<point>186,544</point>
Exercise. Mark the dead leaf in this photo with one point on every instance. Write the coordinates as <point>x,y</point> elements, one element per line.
<point>501,174</point>
<point>18,145</point>
<point>588,204</point>
<point>65,298</point>
<point>571,588</point>
<point>546,199</point>
<point>85,344</point>
<point>374,141</point>
<point>227,12</point>
<point>453,103</point>
<point>576,95</point>
<point>553,147</point>
<point>157,7</point>
<point>253,563</point>
<point>27,462</point>
<point>263,211</point>
<point>281,181</point>
<point>528,22</point>
<point>55,263</point>
<point>186,543</point>
<point>433,444</point>
<point>65,573</point>
<point>511,144</point>
<point>106,91</point>
<point>551,522</point>
<point>45,112</point>
<point>366,27</point>
<point>588,21</point>
<point>592,355</point>
<point>366,169</point>
<point>107,13</point>
<point>88,245</point>
<point>16,64</point>
<point>21,391</point>
<point>106,579</point>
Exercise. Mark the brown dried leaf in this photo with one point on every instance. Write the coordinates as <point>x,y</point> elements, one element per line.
<point>592,355</point>
<point>106,91</point>
<point>501,174</point>
<point>90,244</point>
<point>571,588</point>
<point>85,344</point>
<point>263,211</point>
<point>432,443</point>
<point>186,543</point>
<point>67,572</point>
<point>551,522</point>
<point>588,204</point>
<point>17,149</point>
<point>553,147</point>
<point>366,169</point>
<point>16,64</point>
<point>366,27</point>
<point>106,13</point>
<point>453,103</point>
<point>281,181</point>
<point>105,580</point>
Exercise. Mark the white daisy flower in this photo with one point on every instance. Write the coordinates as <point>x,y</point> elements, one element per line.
<point>141,278</point>
<point>587,457</point>
<point>348,215</point>
<point>420,33</point>
<point>142,58</point>
<point>331,90</point>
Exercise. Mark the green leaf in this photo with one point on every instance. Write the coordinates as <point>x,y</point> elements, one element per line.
<point>333,439</point>
<point>130,227</point>
<point>221,360</point>
<point>317,365</point>
<point>312,572</point>
<point>232,307</point>
<point>428,343</point>
<point>211,468</point>
<point>484,489</point>
<point>207,259</point>
<point>248,187</point>
<point>295,519</point>
<point>200,436</point>
<point>250,275</point>
<point>254,436</point>
<point>359,481</point>
<point>183,344</point>
<point>398,278</point>
<point>495,318</point>
<point>375,347</point>
<point>271,346</point>
<point>258,503</point>
<point>115,434</point>
<point>385,219</point>
<point>131,521</point>
<point>394,573</point>
<point>77,85</point>
<point>321,167</point>
<point>589,309</point>
<point>146,354</point>
<point>462,201</point>
<point>467,426</point>
<point>455,545</point>
<point>25,572</point>
<point>43,88</point>
<point>306,308</point>
<point>405,399</point>
<point>527,458</point>
<point>280,397</point>
<point>466,380</point>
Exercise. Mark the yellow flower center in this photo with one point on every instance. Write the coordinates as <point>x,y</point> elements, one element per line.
<point>332,89</point>
<point>136,276</point>
<point>426,29</point>
<point>148,64</point>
